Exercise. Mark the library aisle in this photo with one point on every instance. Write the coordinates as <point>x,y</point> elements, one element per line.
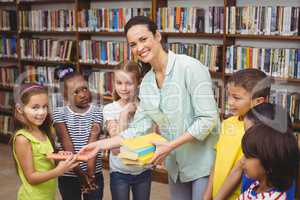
<point>9,181</point>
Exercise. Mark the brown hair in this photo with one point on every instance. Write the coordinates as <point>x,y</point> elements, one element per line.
<point>129,67</point>
<point>253,81</point>
<point>22,94</point>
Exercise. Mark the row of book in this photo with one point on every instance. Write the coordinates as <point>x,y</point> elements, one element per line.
<point>108,19</point>
<point>6,99</point>
<point>41,74</point>
<point>288,100</point>
<point>191,19</point>
<point>8,47</point>
<point>8,76</point>
<point>276,62</point>
<point>207,54</point>
<point>47,49</point>
<point>47,20</point>
<point>101,82</point>
<point>6,122</point>
<point>104,52</point>
<point>263,20</point>
<point>8,20</point>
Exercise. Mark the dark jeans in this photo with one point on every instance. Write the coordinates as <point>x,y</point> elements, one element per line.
<point>69,188</point>
<point>120,185</point>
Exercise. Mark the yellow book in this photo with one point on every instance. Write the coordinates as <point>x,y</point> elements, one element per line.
<point>142,141</point>
<point>140,161</point>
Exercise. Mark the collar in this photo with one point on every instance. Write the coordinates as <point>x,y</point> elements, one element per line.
<point>170,64</point>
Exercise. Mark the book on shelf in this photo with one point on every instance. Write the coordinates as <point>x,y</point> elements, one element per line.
<point>263,20</point>
<point>6,122</point>
<point>6,100</point>
<point>209,55</point>
<point>8,20</point>
<point>8,46</point>
<point>8,75</point>
<point>276,62</point>
<point>104,52</point>
<point>47,20</point>
<point>108,19</point>
<point>101,82</point>
<point>190,19</point>
<point>47,49</point>
<point>140,149</point>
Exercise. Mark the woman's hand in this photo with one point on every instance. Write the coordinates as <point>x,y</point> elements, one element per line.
<point>91,149</point>
<point>162,150</point>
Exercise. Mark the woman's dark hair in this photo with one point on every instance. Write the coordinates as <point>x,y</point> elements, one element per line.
<point>22,95</point>
<point>278,153</point>
<point>271,115</point>
<point>152,27</point>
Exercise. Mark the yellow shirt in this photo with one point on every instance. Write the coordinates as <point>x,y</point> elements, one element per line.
<point>228,152</point>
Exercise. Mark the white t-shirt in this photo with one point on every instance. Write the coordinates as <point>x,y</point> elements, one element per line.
<point>112,111</point>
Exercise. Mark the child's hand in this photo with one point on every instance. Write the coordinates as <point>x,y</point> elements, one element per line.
<point>130,108</point>
<point>67,165</point>
<point>91,149</point>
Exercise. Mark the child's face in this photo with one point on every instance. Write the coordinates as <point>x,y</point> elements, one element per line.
<point>36,110</point>
<point>78,92</point>
<point>125,84</point>
<point>253,168</point>
<point>239,100</point>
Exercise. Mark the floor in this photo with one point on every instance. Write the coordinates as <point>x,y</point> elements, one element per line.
<point>9,181</point>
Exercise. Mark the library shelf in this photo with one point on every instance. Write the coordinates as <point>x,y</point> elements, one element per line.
<point>10,59</point>
<point>47,62</point>
<point>100,66</point>
<point>8,32</point>
<point>6,88</point>
<point>264,37</point>
<point>47,33</point>
<point>192,35</point>
<point>7,111</point>
<point>5,137</point>
<point>102,33</point>
<point>39,2</point>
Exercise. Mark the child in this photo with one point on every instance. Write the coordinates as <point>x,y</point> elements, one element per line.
<point>271,158</point>
<point>32,142</point>
<point>77,124</point>
<point>246,88</point>
<point>117,116</point>
<point>275,117</point>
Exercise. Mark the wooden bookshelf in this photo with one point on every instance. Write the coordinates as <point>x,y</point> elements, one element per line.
<point>192,35</point>
<point>8,32</point>
<point>100,66</point>
<point>39,2</point>
<point>263,37</point>
<point>102,33</point>
<point>52,33</point>
<point>6,111</point>
<point>50,62</point>
<point>6,88</point>
<point>5,138</point>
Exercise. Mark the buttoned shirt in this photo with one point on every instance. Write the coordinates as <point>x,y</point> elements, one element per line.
<point>184,103</point>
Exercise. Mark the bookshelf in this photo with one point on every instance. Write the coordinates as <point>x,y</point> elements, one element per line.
<point>222,36</point>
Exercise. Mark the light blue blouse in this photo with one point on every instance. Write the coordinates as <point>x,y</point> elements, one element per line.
<point>184,103</point>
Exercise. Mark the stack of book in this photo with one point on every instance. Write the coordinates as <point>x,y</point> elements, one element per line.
<point>139,150</point>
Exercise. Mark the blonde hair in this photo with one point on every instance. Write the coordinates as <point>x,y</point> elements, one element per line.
<point>129,67</point>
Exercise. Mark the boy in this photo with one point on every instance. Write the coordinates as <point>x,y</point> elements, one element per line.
<point>77,124</point>
<point>246,88</point>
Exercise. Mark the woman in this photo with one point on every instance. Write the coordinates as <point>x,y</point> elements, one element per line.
<point>176,94</point>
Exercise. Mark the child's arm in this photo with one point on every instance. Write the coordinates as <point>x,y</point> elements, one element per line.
<point>95,132</point>
<point>24,155</point>
<point>209,188</point>
<point>231,182</point>
<point>63,135</point>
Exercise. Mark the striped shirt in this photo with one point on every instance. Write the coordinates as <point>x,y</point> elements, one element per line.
<point>79,128</point>
<point>268,195</point>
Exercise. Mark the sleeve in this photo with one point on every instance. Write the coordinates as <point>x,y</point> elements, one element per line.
<point>199,85</point>
<point>140,125</point>
<point>58,115</point>
<point>98,115</point>
<point>109,112</point>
